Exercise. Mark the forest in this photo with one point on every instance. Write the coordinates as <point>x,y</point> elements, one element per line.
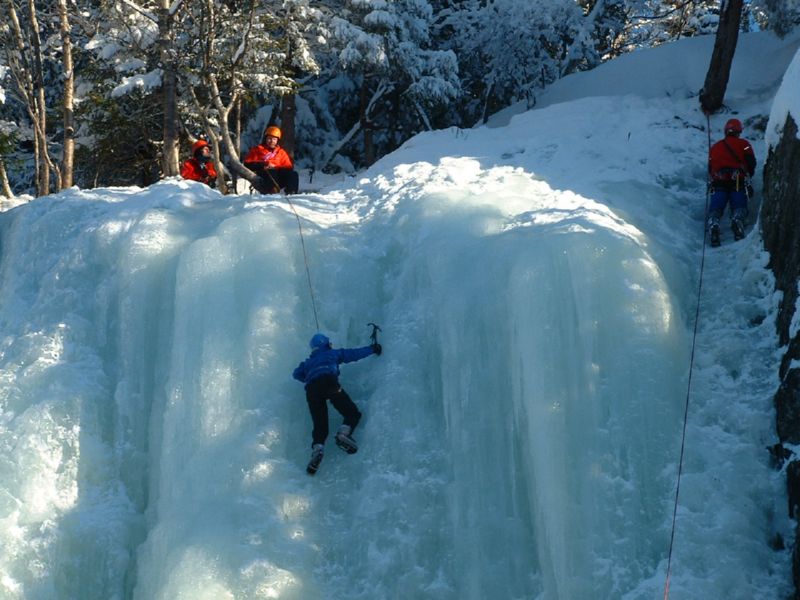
<point>114,92</point>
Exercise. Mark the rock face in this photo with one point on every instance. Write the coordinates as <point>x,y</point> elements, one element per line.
<point>780,228</point>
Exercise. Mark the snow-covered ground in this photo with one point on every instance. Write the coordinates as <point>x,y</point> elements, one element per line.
<point>537,283</point>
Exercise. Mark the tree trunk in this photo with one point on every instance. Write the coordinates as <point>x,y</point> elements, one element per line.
<point>288,106</point>
<point>366,126</point>
<point>26,65</point>
<point>67,165</point>
<point>5,187</point>
<point>340,144</point>
<point>365,109</point>
<point>288,112</point>
<point>223,114</point>
<point>237,137</point>
<point>713,92</point>
<point>170,163</point>
<point>40,108</point>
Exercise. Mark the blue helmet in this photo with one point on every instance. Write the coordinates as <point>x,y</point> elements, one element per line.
<point>319,340</point>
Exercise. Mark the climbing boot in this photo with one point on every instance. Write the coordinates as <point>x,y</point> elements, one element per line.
<point>713,233</point>
<point>738,229</point>
<point>317,454</point>
<point>344,441</point>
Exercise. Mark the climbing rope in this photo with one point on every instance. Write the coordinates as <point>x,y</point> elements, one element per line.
<point>305,254</point>
<point>689,384</point>
<point>305,260</point>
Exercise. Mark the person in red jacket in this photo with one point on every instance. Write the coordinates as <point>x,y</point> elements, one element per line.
<point>200,167</point>
<point>730,162</point>
<point>272,164</point>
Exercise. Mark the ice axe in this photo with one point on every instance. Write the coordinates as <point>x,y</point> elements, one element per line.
<point>374,335</point>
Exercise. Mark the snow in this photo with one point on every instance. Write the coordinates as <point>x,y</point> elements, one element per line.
<point>787,102</point>
<point>537,283</point>
<point>3,71</point>
<point>104,47</point>
<point>145,81</point>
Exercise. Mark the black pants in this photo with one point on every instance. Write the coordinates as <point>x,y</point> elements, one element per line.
<point>272,181</point>
<point>318,392</point>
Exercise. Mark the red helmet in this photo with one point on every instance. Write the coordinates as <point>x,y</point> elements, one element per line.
<point>199,145</point>
<point>733,126</point>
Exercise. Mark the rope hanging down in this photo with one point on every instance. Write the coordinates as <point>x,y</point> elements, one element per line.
<point>305,260</point>
<point>689,384</point>
<point>305,254</point>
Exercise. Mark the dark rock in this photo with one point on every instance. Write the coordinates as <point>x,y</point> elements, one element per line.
<point>780,229</point>
<point>787,408</point>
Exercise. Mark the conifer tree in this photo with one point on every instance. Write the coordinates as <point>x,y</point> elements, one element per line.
<point>780,16</point>
<point>398,77</point>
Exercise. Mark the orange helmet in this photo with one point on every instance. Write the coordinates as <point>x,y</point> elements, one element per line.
<point>198,145</point>
<point>733,126</point>
<point>274,131</point>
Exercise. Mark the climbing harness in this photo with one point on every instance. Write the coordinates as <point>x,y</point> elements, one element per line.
<point>689,384</point>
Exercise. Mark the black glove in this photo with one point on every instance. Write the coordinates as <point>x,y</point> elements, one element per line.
<point>748,188</point>
<point>376,348</point>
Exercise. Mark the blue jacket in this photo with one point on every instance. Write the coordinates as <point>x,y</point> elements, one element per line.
<point>326,361</point>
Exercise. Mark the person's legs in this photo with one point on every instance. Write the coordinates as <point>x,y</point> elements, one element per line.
<point>264,184</point>
<point>280,179</point>
<point>716,207</point>
<point>347,408</point>
<point>267,183</point>
<point>318,407</point>
<point>292,182</point>
<point>738,200</point>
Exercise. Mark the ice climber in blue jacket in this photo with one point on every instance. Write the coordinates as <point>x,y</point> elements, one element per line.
<point>320,374</point>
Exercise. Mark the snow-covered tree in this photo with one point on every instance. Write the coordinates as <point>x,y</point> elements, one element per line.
<point>123,116</point>
<point>604,23</point>
<point>37,50</point>
<point>151,25</point>
<point>23,54</point>
<point>355,77</point>
<point>781,16</point>
<point>6,141</point>
<point>508,49</point>
<point>221,57</point>
<point>301,27</point>
<point>398,78</point>
<point>265,60</point>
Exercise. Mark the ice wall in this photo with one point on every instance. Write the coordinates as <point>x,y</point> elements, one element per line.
<point>553,357</point>
<point>519,432</point>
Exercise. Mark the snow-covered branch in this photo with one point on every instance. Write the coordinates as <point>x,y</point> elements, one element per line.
<point>145,13</point>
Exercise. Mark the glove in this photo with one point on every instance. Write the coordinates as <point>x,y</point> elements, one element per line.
<point>376,348</point>
<point>749,190</point>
